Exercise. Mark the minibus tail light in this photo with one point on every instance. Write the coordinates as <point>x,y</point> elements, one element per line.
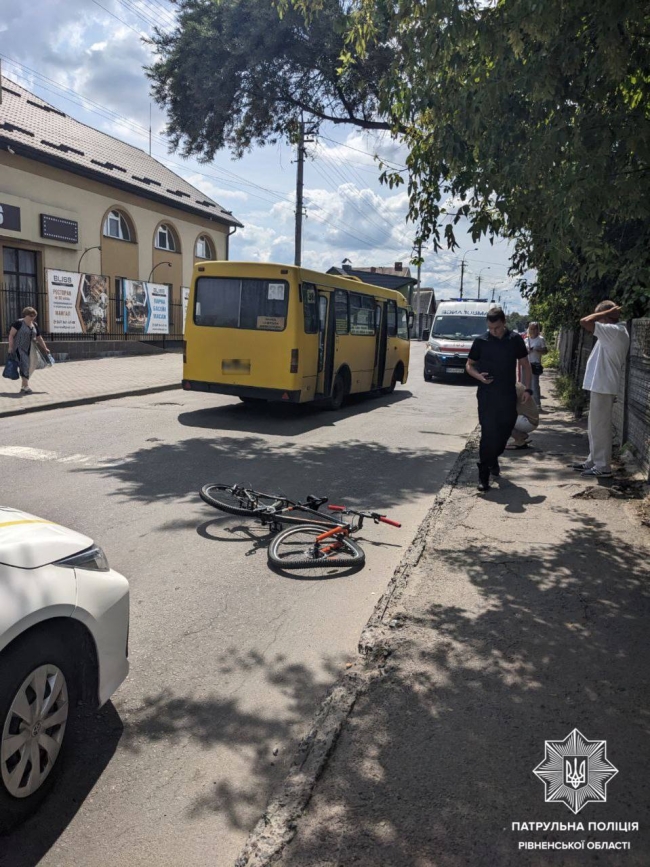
<point>294,361</point>
<point>184,351</point>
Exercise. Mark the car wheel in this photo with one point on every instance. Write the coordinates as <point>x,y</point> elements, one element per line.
<point>37,700</point>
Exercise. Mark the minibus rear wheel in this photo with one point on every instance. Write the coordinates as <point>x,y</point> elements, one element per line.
<point>339,391</point>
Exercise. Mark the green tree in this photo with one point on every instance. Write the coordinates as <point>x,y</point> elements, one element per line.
<point>532,119</point>
<point>236,73</point>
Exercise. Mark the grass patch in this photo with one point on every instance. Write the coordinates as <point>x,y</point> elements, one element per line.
<point>570,394</point>
<point>552,358</point>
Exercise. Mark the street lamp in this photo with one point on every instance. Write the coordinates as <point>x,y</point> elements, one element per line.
<point>157,266</point>
<point>87,250</point>
<point>487,268</point>
<point>462,269</point>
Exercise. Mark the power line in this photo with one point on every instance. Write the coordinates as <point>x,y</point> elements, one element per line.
<point>117,18</point>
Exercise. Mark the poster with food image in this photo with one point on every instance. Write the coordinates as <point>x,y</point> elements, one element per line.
<point>77,303</point>
<point>146,307</point>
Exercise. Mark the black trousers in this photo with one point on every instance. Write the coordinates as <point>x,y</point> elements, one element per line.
<point>497,414</point>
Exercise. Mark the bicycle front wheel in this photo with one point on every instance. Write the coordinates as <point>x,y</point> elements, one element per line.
<point>297,548</point>
<point>234,501</point>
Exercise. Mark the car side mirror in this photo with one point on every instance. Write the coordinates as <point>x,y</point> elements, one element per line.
<point>411,320</point>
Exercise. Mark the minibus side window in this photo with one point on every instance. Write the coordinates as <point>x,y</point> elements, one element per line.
<point>310,308</point>
<point>391,319</point>
<point>341,311</point>
<point>402,324</point>
<point>362,315</point>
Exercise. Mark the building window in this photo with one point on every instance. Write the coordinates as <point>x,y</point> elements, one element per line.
<point>204,249</point>
<point>19,277</point>
<point>165,239</point>
<point>116,226</point>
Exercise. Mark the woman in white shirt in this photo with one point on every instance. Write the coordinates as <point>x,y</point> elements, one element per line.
<point>536,346</point>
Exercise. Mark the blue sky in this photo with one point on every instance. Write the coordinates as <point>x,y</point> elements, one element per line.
<point>86,58</point>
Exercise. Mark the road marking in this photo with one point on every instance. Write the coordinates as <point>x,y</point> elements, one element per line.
<point>29,454</point>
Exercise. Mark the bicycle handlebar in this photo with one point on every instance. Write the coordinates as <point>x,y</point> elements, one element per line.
<point>374,515</point>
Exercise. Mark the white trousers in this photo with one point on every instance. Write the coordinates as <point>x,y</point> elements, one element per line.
<point>600,430</point>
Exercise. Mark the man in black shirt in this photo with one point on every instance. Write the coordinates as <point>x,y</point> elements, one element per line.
<point>493,361</point>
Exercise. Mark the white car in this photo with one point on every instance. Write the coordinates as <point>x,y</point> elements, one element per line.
<point>64,623</point>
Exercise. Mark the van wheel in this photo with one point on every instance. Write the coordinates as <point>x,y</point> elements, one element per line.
<point>338,393</point>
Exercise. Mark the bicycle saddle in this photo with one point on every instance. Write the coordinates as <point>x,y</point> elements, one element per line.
<point>315,502</point>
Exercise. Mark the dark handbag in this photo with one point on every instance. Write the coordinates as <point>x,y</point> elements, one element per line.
<point>11,369</point>
<point>537,368</point>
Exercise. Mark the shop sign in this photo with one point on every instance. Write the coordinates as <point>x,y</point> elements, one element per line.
<point>9,217</point>
<point>59,229</point>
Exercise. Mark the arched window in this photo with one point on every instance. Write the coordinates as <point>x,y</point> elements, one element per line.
<point>117,226</point>
<point>166,238</point>
<point>204,248</point>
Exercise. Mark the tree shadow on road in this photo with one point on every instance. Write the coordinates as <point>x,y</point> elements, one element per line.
<point>359,473</point>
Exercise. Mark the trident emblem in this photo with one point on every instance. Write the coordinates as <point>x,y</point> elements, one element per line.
<point>575,776</point>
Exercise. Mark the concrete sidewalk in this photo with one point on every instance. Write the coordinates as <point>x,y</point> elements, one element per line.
<point>77,382</point>
<point>523,616</point>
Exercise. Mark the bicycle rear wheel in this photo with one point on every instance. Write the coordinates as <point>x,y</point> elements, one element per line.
<point>223,497</point>
<point>296,548</point>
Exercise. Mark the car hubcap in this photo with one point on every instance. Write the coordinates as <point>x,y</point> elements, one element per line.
<point>33,731</point>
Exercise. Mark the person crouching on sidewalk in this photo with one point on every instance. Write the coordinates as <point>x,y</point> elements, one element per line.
<point>602,377</point>
<point>527,420</point>
<point>493,361</point>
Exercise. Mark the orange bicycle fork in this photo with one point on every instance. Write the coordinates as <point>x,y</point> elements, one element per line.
<point>333,532</point>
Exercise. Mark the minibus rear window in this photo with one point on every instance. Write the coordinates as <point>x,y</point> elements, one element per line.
<point>229,302</point>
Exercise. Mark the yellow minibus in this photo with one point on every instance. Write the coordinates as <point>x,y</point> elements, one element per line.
<point>264,331</point>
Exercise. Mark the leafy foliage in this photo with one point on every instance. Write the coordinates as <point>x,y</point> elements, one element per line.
<point>533,120</point>
<point>235,73</point>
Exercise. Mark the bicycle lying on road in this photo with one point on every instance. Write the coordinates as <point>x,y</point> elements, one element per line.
<point>313,539</point>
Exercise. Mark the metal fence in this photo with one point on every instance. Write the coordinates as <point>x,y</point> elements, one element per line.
<point>14,300</point>
<point>632,407</point>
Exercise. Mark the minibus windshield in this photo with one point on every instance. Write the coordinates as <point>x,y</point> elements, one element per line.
<point>233,302</point>
<point>458,327</point>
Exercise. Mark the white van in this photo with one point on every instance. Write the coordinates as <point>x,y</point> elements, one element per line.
<point>456,323</point>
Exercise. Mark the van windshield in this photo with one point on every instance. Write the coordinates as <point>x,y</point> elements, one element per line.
<point>459,327</point>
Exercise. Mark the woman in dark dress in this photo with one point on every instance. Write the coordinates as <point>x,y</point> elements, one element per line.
<point>22,334</point>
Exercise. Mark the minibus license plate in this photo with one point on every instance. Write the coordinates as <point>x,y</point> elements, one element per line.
<point>236,365</point>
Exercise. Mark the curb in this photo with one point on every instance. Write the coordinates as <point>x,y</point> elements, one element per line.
<point>83,401</point>
<point>278,824</point>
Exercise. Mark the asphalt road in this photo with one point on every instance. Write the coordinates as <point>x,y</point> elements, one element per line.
<point>229,660</point>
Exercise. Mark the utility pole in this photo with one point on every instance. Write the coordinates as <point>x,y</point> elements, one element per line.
<point>299,188</point>
<point>417,292</point>
<point>462,269</point>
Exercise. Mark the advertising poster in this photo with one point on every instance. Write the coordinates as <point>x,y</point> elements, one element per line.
<point>146,307</point>
<point>185,297</point>
<point>78,303</point>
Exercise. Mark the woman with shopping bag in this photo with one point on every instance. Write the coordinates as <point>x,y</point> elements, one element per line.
<point>24,343</point>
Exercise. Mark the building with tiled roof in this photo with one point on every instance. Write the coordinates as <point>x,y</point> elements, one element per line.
<point>66,188</point>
